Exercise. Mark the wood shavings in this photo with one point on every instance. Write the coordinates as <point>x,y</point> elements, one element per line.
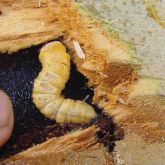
<point>42,23</point>
<point>39,3</point>
<point>104,75</point>
<point>121,100</point>
<point>78,49</point>
<point>113,99</point>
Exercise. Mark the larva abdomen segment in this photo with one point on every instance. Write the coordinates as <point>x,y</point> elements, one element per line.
<point>59,69</point>
<point>56,57</point>
<point>75,112</point>
<point>67,110</point>
<point>41,86</point>
<point>52,78</point>
<point>44,99</point>
<point>51,109</point>
<point>49,84</point>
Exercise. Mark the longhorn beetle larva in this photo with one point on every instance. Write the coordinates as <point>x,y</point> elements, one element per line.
<point>49,84</point>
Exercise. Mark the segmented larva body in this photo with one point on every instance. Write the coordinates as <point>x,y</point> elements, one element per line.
<point>49,84</point>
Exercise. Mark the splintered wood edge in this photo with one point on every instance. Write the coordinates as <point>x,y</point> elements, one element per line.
<point>33,25</point>
<point>57,149</point>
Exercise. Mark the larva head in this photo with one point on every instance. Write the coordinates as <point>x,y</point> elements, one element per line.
<point>50,48</point>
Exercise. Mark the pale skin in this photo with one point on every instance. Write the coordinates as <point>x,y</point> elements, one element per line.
<point>6,118</point>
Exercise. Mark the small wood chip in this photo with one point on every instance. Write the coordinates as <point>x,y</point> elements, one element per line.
<point>122,101</point>
<point>78,49</point>
<point>39,3</point>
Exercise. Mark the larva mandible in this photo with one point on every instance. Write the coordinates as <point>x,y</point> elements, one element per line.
<point>49,84</point>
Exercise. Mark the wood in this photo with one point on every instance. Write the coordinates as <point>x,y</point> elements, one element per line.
<point>24,24</point>
<point>79,147</point>
<point>110,65</point>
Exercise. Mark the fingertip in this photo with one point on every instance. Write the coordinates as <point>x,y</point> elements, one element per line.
<point>6,118</point>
